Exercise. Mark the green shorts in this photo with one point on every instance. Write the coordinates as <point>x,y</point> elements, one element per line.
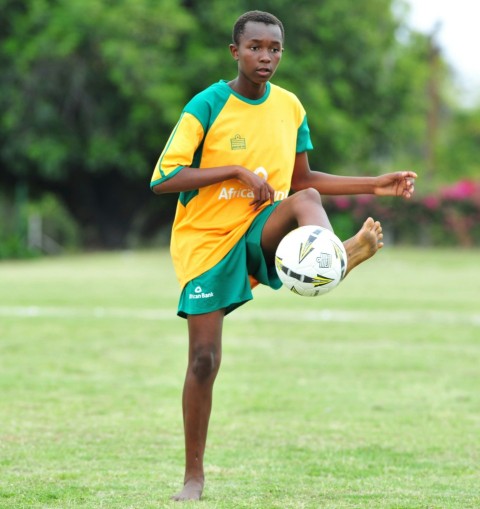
<point>226,285</point>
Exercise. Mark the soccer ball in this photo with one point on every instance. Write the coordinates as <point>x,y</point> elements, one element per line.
<point>311,261</point>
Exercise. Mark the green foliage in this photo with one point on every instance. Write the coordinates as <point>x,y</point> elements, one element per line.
<point>13,245</point>
<point>92,88</point>
<point>29,228</point>
<point>459,154</point>
<point>56,222</point>
<point>363,89</point>
<point>84,79</point>
<point>13,226</point>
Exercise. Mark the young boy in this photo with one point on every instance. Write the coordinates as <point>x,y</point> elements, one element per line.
<point>238,149</point>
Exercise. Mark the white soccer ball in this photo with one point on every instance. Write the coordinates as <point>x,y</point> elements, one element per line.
<point>311,261</point>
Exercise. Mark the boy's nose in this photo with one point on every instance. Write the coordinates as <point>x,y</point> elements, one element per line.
<point>265,56</point>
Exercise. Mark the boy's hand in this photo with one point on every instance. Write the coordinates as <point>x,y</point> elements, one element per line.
<point>400,183</point>
<point>262,190</point>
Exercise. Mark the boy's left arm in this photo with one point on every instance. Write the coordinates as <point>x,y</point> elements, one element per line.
<point>400,183</point>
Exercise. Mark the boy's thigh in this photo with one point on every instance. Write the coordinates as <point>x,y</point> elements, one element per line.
<point>260,267</point>
<point>280,222</point>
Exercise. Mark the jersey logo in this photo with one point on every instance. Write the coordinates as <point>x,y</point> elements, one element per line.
<point>238,143</point>
<point>261,172</point>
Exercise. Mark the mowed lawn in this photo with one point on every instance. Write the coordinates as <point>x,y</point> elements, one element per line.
<point>368,397</point>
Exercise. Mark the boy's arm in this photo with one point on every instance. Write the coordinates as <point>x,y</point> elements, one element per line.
<point>399,183</point>
<point>188,179</point>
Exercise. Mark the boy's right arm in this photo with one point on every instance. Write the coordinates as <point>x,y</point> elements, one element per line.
<point>188,179</point>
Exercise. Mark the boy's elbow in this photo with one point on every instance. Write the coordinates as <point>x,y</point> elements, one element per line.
<point>172,183</point>
<point>157,189</point>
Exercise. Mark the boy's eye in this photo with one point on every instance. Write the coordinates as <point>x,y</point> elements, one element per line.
<point>273,50</point>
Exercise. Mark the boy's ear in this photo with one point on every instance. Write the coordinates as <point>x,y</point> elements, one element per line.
<point>234,51</point>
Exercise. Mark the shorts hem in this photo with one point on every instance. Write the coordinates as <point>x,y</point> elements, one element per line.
<point>231,307</point>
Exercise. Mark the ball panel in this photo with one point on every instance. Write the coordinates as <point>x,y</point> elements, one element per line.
<point>311,261</point>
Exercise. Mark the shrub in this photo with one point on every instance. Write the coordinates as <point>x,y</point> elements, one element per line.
<point>29,229</point>
<point>450,216</point>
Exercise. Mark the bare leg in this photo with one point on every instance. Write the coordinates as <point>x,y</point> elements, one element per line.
<point>305,207</point>
<point>205,333</point>
<point>364,244</point>
<point>302,208</point>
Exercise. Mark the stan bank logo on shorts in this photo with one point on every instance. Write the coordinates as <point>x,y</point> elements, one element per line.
<point>200,294</point>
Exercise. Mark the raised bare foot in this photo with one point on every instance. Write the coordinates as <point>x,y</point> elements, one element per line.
<point>192,490</point>
<point>364,244</point>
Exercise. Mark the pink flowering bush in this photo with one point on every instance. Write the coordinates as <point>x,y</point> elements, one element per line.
<point>450,216</point>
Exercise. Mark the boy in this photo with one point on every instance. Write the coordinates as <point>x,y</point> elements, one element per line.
<point>238,149</point>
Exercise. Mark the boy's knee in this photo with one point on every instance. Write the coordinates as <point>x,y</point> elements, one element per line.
<point>205,363</point>
<point>310,197</point>
<point>311,194</point>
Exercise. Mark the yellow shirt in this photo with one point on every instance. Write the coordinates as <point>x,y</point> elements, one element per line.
<point>219,127</point>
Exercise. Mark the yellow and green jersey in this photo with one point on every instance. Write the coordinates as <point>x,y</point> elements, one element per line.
<point>219,127</point>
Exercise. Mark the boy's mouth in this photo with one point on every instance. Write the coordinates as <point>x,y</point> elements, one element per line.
<point>264,71</point>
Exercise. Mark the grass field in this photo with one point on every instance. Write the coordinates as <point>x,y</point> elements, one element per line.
<point>368,397</point>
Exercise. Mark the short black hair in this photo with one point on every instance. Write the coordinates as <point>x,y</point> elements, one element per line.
<point>256,17</point>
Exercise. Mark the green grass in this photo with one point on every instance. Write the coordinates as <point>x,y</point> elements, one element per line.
<point>368,397</point>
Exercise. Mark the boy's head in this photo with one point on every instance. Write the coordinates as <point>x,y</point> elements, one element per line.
<point>256,17</point>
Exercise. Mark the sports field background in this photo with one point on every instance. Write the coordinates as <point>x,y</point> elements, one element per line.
<point>368,397</point>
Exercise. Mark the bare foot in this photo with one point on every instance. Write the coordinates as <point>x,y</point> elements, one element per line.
<point>364,244</point>
<point>192,490</point>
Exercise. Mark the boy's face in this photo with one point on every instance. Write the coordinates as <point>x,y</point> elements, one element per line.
<point>258,52</point>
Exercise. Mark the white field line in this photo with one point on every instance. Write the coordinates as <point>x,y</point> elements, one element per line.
<point>244,313</point>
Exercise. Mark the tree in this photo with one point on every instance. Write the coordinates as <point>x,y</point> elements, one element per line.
<point>459,152</point>
<point>91,90</point>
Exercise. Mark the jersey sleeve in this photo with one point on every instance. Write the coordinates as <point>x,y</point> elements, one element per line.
<point>304,141</point>
<point>180,149</point>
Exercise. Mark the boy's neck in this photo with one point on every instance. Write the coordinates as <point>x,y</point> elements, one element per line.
<point>248,90</point>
